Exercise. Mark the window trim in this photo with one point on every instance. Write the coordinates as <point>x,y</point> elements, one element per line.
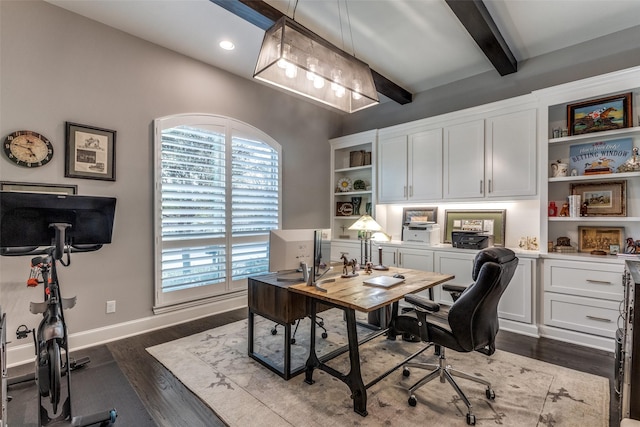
<point>164,302</point>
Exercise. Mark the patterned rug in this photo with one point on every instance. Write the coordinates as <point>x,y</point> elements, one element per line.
<point>214,365</point>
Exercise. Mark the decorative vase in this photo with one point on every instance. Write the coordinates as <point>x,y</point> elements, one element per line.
<point>356,202</point>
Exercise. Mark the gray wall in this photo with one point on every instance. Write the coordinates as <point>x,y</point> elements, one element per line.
<point>606,54</point>
<point>56,66</point>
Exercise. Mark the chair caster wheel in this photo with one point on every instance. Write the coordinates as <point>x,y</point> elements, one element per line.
<point>274,331</point>
<point>321,323</point>
<point>491,395</point>
<point>406,372</point>
<point>471,419</point>
<point>412,401</point>
<point>324,335</point>
<point>293,341</point>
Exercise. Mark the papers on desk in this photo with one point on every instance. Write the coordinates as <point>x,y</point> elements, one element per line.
<point>383,281</point>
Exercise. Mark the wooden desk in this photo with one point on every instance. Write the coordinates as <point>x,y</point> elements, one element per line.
<point>350,295</point>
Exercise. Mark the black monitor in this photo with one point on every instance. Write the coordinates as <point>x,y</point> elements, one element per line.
<point>25,219</point>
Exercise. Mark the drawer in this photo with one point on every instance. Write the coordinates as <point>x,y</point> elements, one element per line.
<point>588,315</point>
<point>584,279</point>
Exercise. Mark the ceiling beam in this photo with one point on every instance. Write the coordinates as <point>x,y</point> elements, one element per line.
<point>475,17</point>
<point>263,15</point>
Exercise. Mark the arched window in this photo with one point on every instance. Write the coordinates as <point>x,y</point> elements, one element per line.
<point>217,196</point>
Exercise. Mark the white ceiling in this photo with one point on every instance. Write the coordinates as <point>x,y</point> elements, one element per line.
<point>418,44</point>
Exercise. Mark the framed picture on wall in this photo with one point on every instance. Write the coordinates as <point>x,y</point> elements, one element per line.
<point>90,152</point>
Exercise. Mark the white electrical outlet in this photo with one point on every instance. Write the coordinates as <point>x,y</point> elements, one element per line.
<point>111,306</point>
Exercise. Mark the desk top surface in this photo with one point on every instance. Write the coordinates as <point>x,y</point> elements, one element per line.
<point>352,293</point>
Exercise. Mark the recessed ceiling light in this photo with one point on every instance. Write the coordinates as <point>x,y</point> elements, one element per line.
<point>227,45</point>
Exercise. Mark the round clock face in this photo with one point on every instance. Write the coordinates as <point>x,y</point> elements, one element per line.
<point>27,148</point>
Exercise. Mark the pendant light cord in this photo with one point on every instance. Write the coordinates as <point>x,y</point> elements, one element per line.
<point>353,46</point>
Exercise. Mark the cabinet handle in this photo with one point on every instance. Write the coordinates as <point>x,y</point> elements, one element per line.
<point>599,282</point>
<point>400,260</point>
<point>490,189</point>
<point>480,186</point>
<point>405,191</point>
<point>394,259</point>
<point>599,319</point>
<point>411,191</point>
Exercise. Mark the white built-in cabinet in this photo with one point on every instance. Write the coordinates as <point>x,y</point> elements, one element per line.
<point>491,157</point>
<point>410,167</point>
<point>393,256</point>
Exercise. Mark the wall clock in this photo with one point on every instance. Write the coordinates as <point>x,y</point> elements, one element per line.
<point>27,148</point>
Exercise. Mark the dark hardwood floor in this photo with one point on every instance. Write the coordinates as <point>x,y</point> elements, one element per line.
<point>171,404</point>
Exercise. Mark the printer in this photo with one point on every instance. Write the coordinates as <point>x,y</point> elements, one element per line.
<point>421,232</point>
<point>471,239</point>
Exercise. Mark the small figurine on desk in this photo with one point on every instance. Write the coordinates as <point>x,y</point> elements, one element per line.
<point>368,269</point>
<point>565,209</point>
<point>347,264</point>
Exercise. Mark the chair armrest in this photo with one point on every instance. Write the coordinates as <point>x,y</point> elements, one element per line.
<point>422,302</point>
<point>453,288</point>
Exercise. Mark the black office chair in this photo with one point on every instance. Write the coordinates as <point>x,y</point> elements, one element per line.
<point>471,325</point>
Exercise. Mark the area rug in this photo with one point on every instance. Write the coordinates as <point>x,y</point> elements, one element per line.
<point>215,366</point>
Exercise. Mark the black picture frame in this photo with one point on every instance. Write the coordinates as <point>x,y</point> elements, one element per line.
<point>90,152</point>
<point>30,187</point>
<point>589,116</point>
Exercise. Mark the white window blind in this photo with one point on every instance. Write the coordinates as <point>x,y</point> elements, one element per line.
<point>217,198</point>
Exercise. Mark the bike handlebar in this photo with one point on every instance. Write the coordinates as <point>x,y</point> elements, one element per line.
<point>38,250</point>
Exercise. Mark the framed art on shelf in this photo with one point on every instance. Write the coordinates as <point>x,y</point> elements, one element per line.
<point>90,152</point>
<point>429,214</point>
<point>28,187</point>
<point>603,198</point>
<point>597,115</point>
<point>599,240</point>
<point>344,209</point>
<point>489,221</point>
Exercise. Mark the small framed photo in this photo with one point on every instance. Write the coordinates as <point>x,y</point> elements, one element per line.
<point>598,240</point>
<point>344,209</point>
<point>90,152</point>
<point>597,115</point>
<point>603,198</point>
<point>614,249</point>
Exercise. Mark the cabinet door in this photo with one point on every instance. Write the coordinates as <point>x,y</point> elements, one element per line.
<point>351,250</point>
<point>425,165</point>
<point>415,259</point>
<point>511,154</point>
<point>516,301</point>
<point>464,160</point>
<point>392,169</point>
<point>458,264</point>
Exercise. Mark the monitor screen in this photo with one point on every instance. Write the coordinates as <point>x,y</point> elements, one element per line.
<point>25,218</point>
<point>288,248</point>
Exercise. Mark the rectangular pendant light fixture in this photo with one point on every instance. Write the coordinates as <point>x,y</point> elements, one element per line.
<point>296,59</point>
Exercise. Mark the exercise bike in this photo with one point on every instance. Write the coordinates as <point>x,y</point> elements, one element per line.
<point>52,361</point>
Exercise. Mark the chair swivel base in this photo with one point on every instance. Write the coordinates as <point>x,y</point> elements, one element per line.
<point>445,372</point>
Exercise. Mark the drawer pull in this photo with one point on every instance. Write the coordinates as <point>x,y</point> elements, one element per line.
<point>599,282</point>
<point>599,319</point>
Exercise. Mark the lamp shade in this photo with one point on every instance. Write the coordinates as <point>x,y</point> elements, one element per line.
<point>366,223</point>
<point>296,59</point>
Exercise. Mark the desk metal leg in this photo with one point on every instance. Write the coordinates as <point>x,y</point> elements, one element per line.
<point>287,350</point>
<point>312,362</point>
<point>250,331</point>
<point>354,378</point>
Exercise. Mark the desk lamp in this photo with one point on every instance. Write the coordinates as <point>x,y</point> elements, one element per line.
<point>367,225</point>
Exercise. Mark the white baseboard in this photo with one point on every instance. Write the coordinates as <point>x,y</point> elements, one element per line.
<point>585,340</point>
<point>519,328</point>
<point>21,354</point>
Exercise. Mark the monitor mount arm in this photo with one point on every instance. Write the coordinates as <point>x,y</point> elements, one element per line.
<point>312,280</point>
